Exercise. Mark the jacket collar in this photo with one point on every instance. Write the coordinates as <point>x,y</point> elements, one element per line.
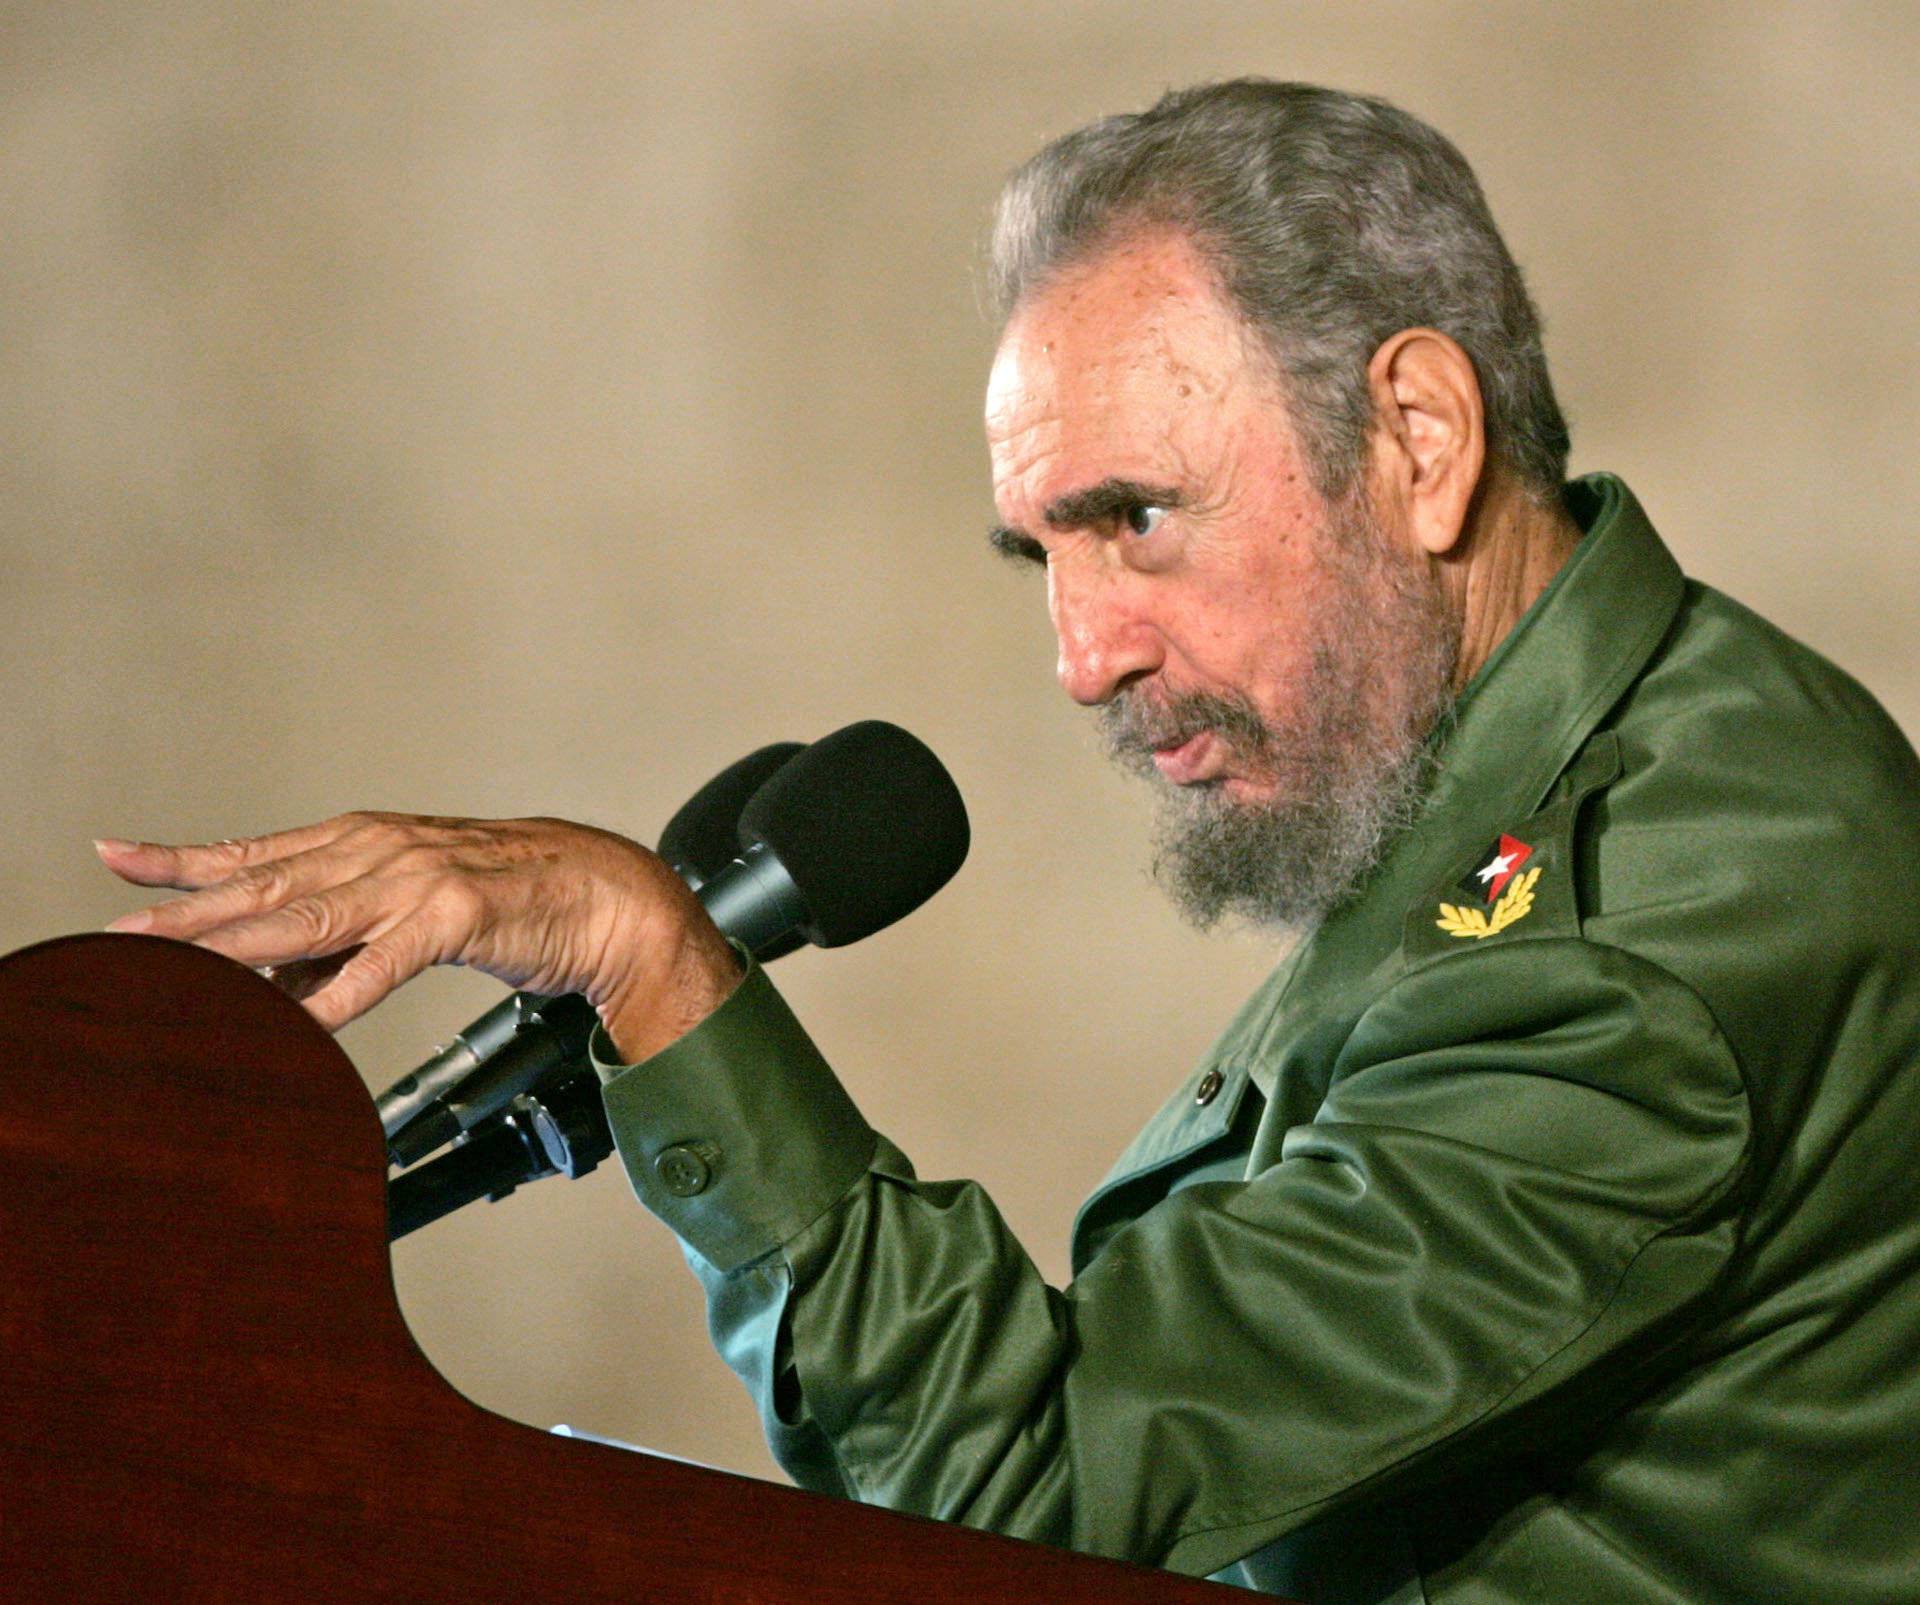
<point>1559,670</point>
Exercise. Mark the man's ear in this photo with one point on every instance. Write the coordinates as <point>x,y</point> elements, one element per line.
<point>1430,442</point>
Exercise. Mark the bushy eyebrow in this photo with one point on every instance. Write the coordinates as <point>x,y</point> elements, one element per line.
<point>1015,547</point>
<point>1106,501</point>
<point>1082,509</point>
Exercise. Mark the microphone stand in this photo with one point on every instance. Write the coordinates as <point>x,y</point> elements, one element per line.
<point>556,1128</point>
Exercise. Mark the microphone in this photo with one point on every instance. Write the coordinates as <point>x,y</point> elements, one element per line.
<point>851,835</point>
<point>704,836</point>
<point>866,825</point>
<point>700,840</point>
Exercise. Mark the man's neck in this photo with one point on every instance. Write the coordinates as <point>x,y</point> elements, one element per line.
<point>1512,550</point>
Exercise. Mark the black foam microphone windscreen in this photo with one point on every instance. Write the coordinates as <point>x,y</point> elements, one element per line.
<point>869,825</point>
<point>704,836</point>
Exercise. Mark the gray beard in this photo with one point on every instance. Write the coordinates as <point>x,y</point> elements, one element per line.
<point>1353,767</point>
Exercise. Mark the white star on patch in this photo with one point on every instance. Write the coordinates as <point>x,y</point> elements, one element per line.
<point>1501,864</point>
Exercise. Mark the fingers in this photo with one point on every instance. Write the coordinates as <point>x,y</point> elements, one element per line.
<point>249,891</point>
<point>372,972</point>
<point>535,902</point>
<point>309,927</point>
<point>189,868</point>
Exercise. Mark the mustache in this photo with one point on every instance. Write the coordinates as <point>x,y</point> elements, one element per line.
<point>1135,725</point>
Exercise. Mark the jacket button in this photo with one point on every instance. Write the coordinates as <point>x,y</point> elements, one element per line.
<point>1209,1088</point>
<point>681,1171</point>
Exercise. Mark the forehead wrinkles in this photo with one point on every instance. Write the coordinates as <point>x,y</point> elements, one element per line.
<point>1149,334</point>
<point>1114,361</point>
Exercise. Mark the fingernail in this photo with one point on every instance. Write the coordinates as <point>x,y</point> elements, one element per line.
<point>113,844</point>
<point>132,924</point>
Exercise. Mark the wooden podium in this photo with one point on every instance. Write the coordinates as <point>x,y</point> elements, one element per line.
<point>207,1392</point>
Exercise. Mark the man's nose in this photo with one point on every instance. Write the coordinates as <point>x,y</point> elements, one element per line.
<point>1104,644</point>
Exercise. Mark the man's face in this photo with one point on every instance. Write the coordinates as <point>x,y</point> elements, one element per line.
<point>1274,659</point>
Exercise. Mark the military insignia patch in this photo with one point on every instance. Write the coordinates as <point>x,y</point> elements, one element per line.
<point>1485,882</point>
<point>1500,892</point>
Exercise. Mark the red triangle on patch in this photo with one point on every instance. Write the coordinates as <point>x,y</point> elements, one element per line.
<point>1498,865</point>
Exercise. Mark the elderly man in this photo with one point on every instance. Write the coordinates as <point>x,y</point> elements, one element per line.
<point>1546,1227</point>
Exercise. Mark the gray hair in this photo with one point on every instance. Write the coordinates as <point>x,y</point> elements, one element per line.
<point>1333,221</point>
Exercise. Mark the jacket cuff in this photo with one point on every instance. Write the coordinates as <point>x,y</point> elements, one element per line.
<point>738,1135</point>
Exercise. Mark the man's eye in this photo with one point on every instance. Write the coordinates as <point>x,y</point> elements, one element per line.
<point>1145,520</point>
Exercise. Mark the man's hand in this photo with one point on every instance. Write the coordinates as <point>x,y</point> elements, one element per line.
<point>345,911</point>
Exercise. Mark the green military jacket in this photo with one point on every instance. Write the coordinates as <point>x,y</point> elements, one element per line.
<point>1547,1227</point>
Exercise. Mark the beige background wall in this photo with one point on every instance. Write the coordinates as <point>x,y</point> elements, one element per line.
<point>504,408</point>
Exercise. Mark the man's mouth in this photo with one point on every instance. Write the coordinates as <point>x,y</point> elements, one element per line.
<point>1200,757</point>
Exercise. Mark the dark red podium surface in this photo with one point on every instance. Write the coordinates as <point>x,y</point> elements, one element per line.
<point>207,1392</point>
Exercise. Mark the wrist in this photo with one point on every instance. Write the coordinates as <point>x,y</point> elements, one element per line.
<point>655,1005</point>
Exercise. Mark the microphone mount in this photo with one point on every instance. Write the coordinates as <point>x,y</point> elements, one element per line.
<point>558,1129</point>
<point>550,1037</point>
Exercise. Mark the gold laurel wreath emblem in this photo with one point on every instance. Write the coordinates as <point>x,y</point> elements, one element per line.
<point>1516,904</point>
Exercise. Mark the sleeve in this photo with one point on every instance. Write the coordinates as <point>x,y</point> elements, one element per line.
<point>1519,1189</point>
